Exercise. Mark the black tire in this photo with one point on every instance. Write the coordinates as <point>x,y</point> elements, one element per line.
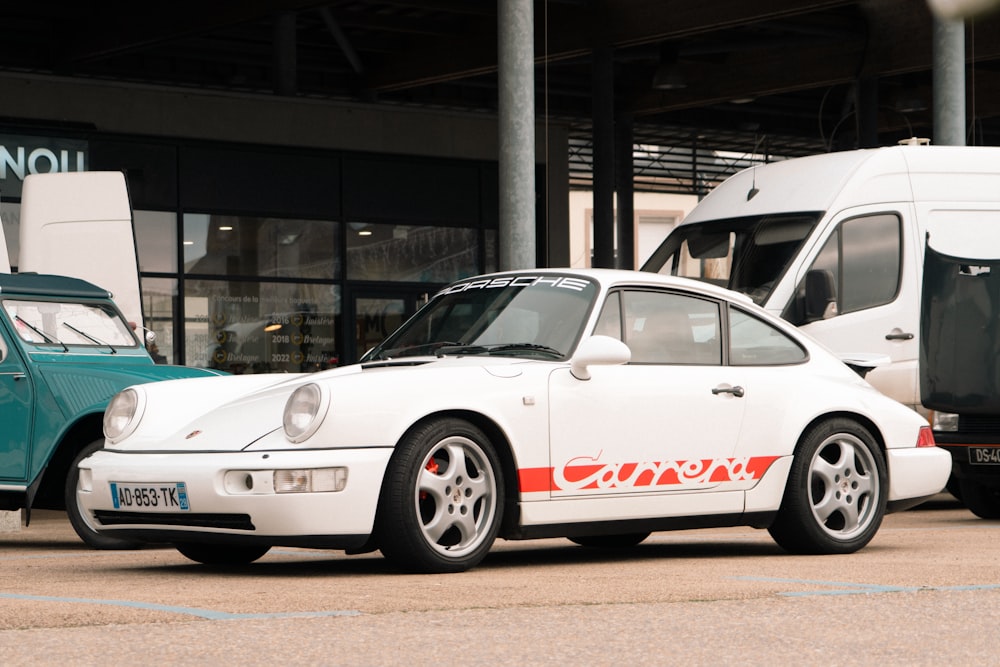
<point>836,492</point>
<point>222,554</point>
<point>954,486</point>
<point>81,520</point>
<point>609,541</point>
<point>982,500</point>
<point>442,498</point>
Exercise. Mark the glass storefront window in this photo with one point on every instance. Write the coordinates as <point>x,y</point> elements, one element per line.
<point>158,298</point>
<point>268,247</point>
<point>156,240</point>
<point>261,327</point>
<point>10,216</point>
<point>410,253</point>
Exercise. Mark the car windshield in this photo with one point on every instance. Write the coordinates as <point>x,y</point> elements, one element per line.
<point>748,255</point>
<point>68,323</point>
<point>523,315</point>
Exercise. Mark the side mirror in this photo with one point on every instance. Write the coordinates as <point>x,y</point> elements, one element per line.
<point>598,351</point>
<point>821,295</point>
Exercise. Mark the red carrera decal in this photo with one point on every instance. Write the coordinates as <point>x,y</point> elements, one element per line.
<point>586,474</point>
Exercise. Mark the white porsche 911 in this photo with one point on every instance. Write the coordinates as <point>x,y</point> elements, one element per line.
<point>595,405</point>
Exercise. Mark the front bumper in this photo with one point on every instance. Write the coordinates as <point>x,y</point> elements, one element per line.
<point>219,510</point>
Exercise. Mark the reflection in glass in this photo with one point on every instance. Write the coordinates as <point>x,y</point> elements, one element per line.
<point>156,240</point>
<point>409,253</point>
<point>158,298</point>
<point>260,327</point>
<point>250,246</point>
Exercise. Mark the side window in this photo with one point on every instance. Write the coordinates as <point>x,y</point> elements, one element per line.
<point>858,268</point>
<point>753,342</point>
<point>610,321</point>
<point>667,328</point>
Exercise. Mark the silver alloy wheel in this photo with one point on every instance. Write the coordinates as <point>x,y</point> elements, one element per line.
<point>843,486</point>
<point>456,496</point>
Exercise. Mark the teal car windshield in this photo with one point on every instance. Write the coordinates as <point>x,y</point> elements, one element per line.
<point>536,316</point>
<point>68,323</point>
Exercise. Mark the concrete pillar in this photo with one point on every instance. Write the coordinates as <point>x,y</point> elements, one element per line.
<point>603,128</point>
<point>625,187</point>
<point>949,82</point>
<point>516,87</point>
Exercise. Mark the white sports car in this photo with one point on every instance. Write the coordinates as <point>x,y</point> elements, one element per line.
<point>595,405</point>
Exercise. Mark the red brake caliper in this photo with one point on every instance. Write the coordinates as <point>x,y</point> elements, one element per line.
<point>432,466</point>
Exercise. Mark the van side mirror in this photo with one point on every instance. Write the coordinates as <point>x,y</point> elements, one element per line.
<point>821,295</point>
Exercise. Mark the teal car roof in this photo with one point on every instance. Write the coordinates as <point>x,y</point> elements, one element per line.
<point>38,284</point>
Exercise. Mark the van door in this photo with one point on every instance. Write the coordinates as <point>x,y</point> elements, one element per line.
<point>15,412</point>
<point>859,293</point>
<point>79,224</point>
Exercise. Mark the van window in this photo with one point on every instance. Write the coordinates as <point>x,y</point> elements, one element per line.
<point>749,255</point>
<point>857,268</point>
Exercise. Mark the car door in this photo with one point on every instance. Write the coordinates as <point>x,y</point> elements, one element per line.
<point>667,422</point>
<point>15,412</point>
<point>871,267</point>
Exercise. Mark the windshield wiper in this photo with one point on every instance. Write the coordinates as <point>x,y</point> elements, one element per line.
<point>45,337</point>
<point>93,340</point>
<point>497,348</point>
<point>413,350</point>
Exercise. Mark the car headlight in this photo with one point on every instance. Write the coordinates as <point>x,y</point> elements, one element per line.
<point>304,411</point>
<point>123,414</point>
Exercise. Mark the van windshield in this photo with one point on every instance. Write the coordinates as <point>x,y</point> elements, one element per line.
<point>748,254</point>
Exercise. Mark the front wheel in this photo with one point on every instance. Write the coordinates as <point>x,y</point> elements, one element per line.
<point>221,554</point>
<point>441,499</point>
<point>80,518</point>
<point>836,492</point>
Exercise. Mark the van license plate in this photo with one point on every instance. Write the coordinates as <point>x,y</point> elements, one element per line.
<point>152,497</point>
<point>984,455</point>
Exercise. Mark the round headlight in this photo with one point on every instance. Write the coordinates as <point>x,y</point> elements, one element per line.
<point>122,414</point>
<point>304,412</point>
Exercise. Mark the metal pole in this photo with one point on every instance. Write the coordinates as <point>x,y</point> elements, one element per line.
<point>949,82</point>
<point>516,86</point>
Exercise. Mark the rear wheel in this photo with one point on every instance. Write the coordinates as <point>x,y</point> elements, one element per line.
<point>79,518</point>
<point>836,492</point>
<point>982,500</point>
<point>441,498</point>
<point>221,554</point>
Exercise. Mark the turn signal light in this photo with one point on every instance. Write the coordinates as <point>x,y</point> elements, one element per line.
<point>926,437</point>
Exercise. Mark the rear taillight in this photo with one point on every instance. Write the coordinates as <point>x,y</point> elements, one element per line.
<point>926,437</point>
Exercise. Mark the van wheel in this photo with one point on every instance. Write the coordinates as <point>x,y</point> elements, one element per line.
<point>81,521</point>
<point>836,492</point>
<point>982,500</point>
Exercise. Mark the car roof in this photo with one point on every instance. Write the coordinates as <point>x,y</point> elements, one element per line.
<point>608,278</point>
<point>40,284</point>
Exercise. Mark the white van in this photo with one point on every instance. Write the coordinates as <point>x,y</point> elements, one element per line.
<point>834,243</point>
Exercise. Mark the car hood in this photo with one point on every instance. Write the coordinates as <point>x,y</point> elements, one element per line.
<point>233,413</point>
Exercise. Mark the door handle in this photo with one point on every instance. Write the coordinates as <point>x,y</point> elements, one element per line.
<point>736,391</point>
<point>899,336</point>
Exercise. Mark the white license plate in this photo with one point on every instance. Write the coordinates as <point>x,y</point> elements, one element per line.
<point>152,497</point>
<point>984,455</point>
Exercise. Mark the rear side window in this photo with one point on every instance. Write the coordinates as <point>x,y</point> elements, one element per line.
<point>753,342</point>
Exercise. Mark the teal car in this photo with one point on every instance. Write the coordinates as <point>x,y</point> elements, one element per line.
<point>65,350</point>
